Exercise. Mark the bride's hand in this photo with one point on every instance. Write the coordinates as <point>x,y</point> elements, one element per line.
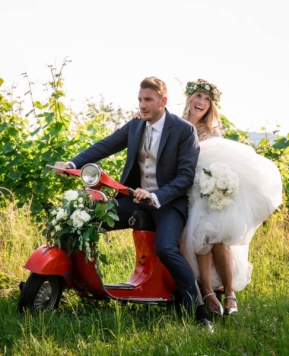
<point>137,115</point>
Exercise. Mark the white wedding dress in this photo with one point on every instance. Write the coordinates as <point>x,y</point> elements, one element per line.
<point>258,195</point>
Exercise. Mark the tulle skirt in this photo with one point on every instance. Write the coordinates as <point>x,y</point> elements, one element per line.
<point>258,195</point>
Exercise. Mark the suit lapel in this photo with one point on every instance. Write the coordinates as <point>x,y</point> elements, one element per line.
<point>138,136</point>
<point>165,133</point>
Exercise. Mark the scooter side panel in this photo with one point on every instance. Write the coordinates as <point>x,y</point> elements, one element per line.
<point>86,278</point>
<point>150,278</point>
<point>50,260</point>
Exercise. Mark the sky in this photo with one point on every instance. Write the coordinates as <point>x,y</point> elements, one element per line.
<point>241,46</point>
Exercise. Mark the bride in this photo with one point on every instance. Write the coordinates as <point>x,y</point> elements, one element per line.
<point>234,191</point>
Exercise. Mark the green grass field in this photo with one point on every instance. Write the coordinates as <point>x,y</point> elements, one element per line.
<point>80,327</point>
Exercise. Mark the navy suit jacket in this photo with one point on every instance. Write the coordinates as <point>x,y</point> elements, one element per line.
<point>176,159</point>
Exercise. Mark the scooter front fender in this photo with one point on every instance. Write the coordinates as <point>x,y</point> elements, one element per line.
<point>50,260</point>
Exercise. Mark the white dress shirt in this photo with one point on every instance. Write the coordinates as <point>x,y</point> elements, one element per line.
<point>157,131</point>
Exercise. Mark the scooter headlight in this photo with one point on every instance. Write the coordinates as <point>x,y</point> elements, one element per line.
<point>90,174</point>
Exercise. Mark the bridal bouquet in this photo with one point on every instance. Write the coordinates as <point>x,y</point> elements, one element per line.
<point>76,224</point>
<point>219,183</point>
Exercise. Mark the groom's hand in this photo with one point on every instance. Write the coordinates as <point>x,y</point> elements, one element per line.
<point>61,165</point>
<point>140,194</point>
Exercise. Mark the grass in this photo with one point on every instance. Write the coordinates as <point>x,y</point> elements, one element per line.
<point>81,327</point>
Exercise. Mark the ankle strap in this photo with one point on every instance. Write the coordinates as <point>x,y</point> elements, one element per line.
<point>230,297</point>
<point>208,295</point>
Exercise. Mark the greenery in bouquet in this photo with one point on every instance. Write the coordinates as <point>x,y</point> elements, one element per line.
<point>76,224</point>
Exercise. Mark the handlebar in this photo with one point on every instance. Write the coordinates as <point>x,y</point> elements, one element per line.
<point>130,191</point>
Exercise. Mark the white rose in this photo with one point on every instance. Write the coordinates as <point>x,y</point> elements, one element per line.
<point>219,170</point>
<point>222,183</point>
<point>58,228</point>
<point>233,184</point>
<point>61,214</point>
<point>207,186</point>
<point>54,222</point>
<point>203,177</point>
<point>207,87</point>
<point>216,197</point>
<point>79,217</point>
<point>80,200</point>
<point>218,201</point>
<point>71,195</point>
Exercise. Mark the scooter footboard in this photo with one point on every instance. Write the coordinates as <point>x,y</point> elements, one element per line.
<point>50,260</point>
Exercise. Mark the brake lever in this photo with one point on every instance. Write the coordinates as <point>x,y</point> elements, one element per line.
<point>57,168</point>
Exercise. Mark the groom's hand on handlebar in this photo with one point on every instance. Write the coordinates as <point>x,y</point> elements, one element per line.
<point>141,194</point>
<point>61,165</point>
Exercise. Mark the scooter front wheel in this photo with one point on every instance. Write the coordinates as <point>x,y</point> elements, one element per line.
<point>40,292</point>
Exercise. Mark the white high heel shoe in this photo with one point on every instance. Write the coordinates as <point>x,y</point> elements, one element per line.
<point>230,311</point>
<point>217,309</point>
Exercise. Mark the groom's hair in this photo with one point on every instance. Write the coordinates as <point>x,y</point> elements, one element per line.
<point>155,84</point>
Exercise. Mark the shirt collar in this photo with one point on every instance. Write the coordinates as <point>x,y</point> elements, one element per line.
<point>159,125</point>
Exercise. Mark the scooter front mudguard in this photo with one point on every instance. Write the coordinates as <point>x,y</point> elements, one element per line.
<point>50,260</point>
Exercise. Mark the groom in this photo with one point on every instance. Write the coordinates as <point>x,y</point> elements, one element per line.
<point>162,153</point>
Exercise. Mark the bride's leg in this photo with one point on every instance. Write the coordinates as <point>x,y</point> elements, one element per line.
<point>222,261</point>
<point>205,263</point>
<point>205,268</point>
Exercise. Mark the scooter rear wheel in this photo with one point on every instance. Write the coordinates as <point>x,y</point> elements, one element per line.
<point>40,293</point>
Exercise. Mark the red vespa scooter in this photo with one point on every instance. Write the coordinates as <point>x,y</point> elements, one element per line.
<point>53,270</point>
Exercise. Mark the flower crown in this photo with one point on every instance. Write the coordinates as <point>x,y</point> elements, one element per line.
<point>204,86</point>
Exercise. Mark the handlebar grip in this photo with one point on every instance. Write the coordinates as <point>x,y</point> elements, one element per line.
<point>146,200</point>
<point>131,192</point>
<point>143,200</point>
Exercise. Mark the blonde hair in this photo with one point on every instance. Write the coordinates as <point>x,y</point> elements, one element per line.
<point>210,124</point>
<point>155,84</point>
